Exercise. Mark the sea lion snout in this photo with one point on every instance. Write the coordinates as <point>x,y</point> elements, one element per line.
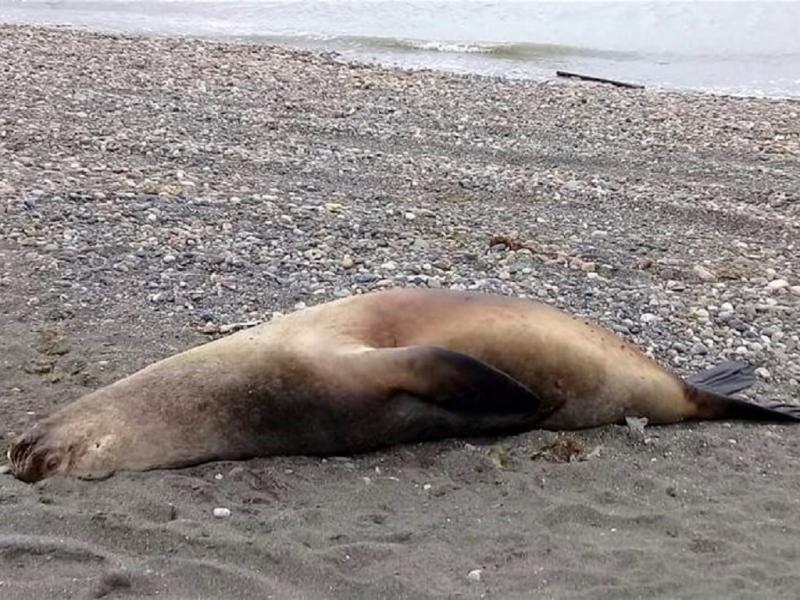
<point>33,458</point>
<point>24,445</point>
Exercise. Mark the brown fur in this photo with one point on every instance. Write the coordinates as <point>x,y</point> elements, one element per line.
<point>354,375</point>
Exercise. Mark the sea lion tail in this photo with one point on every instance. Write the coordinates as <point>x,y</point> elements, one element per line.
<point>710,391</point>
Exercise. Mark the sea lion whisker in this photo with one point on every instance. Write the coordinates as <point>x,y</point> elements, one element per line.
<point>20,452</point>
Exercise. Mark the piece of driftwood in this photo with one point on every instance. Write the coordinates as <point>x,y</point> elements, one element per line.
<point>624,84</point>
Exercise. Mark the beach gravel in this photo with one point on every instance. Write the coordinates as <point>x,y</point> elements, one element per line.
<point>158,193</point>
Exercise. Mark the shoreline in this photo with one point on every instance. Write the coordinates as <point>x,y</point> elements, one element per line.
<point>552,79</point>
<point>154,191</point>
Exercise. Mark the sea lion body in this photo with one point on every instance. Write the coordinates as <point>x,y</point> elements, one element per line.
<point>582,374</point>
<point>361,373</point>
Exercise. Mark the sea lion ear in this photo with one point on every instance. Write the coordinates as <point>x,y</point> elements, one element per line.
<point>452,380</point>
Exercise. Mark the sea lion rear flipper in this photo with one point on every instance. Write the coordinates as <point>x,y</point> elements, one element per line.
<point>711,391</point>
<point>726,378</point>
<point>452,380</point>
<point>715,406</point>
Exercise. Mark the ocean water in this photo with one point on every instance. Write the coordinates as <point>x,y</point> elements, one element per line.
<point>735,47</point>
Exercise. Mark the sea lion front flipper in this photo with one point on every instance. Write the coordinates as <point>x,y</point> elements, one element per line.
<point>449,379</point>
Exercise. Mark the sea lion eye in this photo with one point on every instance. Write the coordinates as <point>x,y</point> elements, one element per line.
<point>52,462</point>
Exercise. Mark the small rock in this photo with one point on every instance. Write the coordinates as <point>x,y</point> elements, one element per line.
<point>222,513</point>
<point>777,284</point>
<point>763,373</point>
<point>365,277</point>
<point>648,318</point>
<point>475,574</point>
<point>209,328</point>
<point>704,273</point>
<point>410,216</point>
<point>168,258</point>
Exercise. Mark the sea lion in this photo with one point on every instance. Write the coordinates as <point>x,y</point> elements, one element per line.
<point>368,371</point>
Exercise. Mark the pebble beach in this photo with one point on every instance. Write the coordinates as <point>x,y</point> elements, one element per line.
<point>157,193</point>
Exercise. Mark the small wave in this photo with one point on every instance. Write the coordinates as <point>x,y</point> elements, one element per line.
<point>522,51</point>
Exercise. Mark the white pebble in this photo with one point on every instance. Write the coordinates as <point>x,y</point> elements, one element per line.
<point>221,513</point>
<point>763,372</point>
<point>475,575</point>
<point>777,284</point>
<point>410,216</point>
<point>704,274</point>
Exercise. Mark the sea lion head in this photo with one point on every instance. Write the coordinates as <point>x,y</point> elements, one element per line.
<point>57,448</point>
